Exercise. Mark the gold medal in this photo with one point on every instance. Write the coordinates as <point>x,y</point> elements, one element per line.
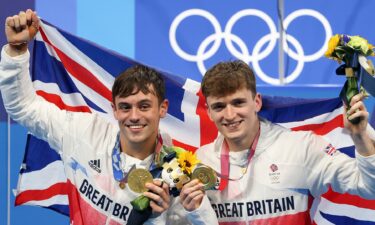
<point>137,179</point>
<point>206,175</point>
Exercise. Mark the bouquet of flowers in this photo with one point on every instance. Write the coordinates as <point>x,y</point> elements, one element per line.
<point>342,47</point>
<point>352,50</point>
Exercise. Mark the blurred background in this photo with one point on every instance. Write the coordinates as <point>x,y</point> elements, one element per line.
<point>186,38</point>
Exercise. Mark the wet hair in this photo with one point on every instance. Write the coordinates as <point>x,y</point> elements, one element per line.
<point>139,78</point>
<point>226,78</point>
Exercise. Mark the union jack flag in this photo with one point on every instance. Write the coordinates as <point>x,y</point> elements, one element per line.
<point>77,75</point>
<point>330,150</point>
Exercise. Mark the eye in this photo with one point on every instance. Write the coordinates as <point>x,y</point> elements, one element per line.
<point>169,170</point>
<point>144,106</point>
<point>218,107</point>
<point>238,102</point>
<point>176,180</point>
<point>124,107</point>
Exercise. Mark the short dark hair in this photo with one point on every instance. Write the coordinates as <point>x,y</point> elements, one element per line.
<point>227,77</point>
<point>139,78</point>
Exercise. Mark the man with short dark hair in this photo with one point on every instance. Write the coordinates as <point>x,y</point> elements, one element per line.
<point>268,173</point>
<point>98,156</point>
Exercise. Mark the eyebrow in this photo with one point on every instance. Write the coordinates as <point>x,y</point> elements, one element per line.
<point>144,101</point>
<point>139,102</point>
<point>217,104</point>
<point>238,99</point>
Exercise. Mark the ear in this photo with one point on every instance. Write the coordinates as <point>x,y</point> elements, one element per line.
<point>163,109</point>
<point>114,109</point>
<point>258,102</point>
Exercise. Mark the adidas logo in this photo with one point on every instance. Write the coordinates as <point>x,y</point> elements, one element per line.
<point>95,164</point>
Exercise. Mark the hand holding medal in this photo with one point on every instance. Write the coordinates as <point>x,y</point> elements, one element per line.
<point>137,180</point>
<point>177,167</point>
<point>203,178</point>
<point>200,178</point>
<point>141,181</point>
<point>192,167</point>
<point>206,175</point>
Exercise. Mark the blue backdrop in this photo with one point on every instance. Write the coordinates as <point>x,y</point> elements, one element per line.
<point>188,37</point>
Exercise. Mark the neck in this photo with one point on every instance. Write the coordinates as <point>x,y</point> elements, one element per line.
<point>138,150</point>
<point>246,142</point>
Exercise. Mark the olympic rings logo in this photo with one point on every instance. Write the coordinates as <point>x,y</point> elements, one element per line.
<point>244,54</point>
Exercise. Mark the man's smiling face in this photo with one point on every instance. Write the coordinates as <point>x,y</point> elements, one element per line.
<point>138,116</point>
<point>235,115</point>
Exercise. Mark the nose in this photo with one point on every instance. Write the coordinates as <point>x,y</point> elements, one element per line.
<point>134,115</point>
<point>229,113</point>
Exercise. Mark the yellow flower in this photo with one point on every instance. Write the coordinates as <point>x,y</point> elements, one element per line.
<point>187,161</point>
<point>371,47</point>
<point>332,44</point>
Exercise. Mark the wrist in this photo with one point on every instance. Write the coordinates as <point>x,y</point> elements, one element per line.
<point>15,49</point>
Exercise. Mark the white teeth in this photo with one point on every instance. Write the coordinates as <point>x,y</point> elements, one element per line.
<point>232,124</point>
<point>135,126</point>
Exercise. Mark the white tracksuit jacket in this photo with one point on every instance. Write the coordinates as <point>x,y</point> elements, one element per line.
<point>81,139</point>
<point>287,169</point>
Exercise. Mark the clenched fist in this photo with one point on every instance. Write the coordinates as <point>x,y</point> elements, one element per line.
<point>20,29</point>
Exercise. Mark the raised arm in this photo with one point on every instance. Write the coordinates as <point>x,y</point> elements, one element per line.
<point>359,132</point>
<point>19,30</point>
<point>42,118</point>
<point>336,169</point>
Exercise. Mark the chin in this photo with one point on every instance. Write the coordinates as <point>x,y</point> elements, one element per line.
<point>137,139</point>
<point>234,136</point>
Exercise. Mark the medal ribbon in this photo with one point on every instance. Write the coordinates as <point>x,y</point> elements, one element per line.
<point>118,174</point>
<point>224,160</point>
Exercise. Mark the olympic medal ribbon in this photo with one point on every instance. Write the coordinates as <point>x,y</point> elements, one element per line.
<point>225,163</point>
